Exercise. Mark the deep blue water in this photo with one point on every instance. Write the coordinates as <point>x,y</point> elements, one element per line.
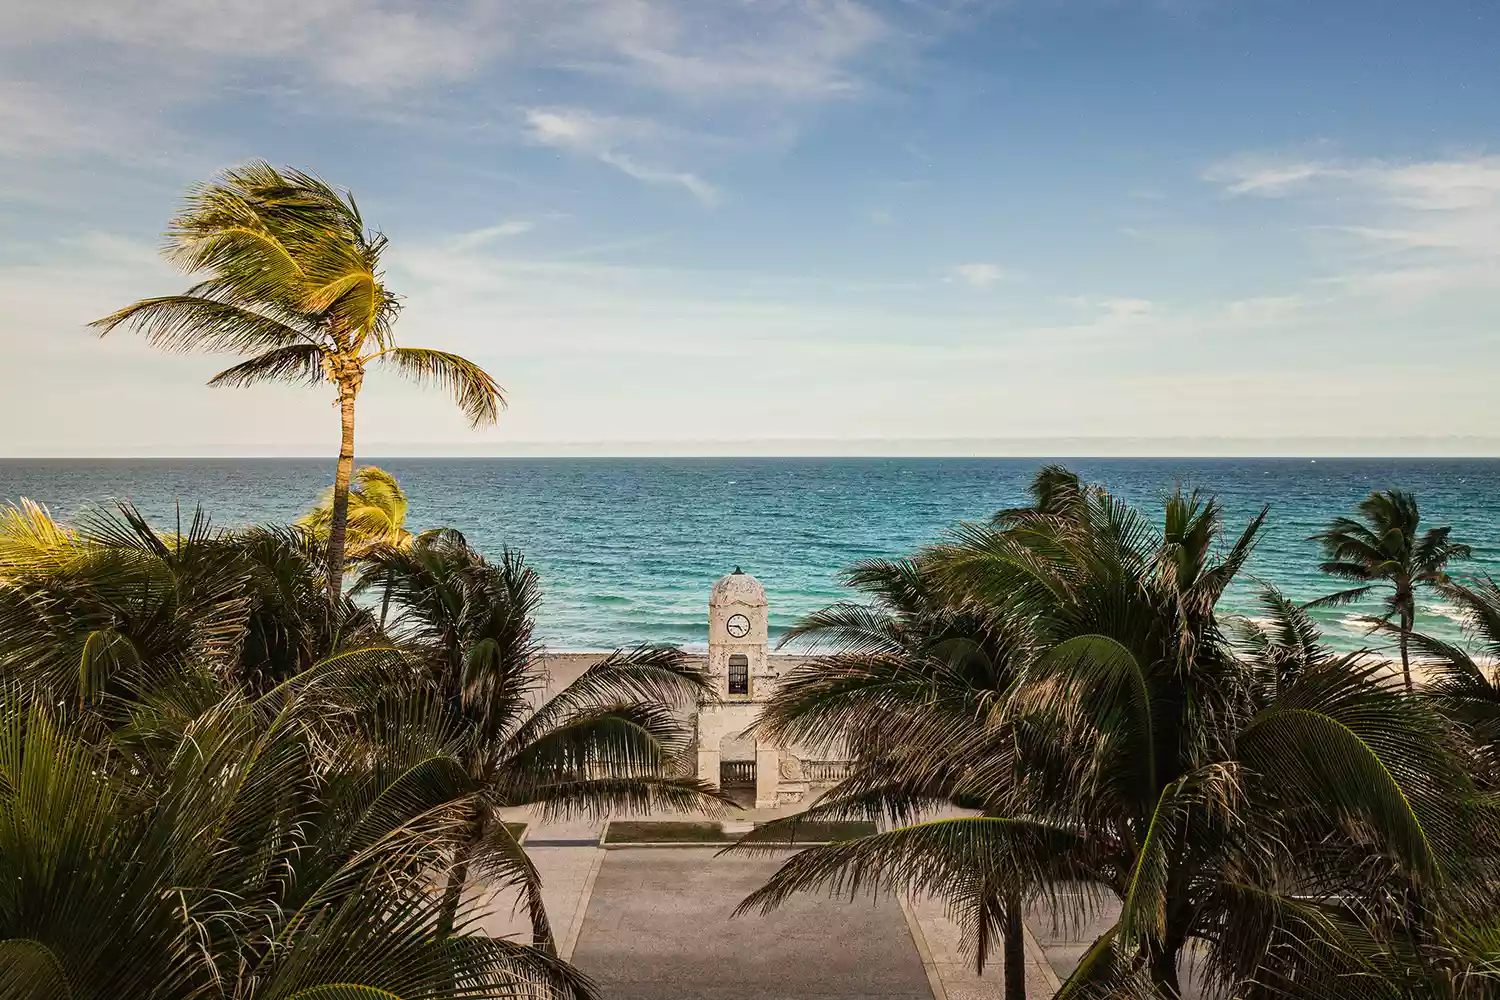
<point>629,547</point>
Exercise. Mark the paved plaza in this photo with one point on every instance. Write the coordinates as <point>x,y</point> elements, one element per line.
<point>653,922</point>
<point>658,927</point>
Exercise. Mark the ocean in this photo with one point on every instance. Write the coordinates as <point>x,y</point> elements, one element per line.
<point>628,548</point>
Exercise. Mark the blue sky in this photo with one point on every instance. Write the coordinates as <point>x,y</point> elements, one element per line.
<point>788,225</point>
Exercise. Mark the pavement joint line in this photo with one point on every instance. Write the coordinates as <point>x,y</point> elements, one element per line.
<point>924,953</point>
<point>1037,957</point>
<point>580,909</point>
<point>577,842</point>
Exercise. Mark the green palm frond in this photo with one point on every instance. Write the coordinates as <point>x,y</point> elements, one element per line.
<point>1342,744</point>
<point>377,511</point>
<point>298,362</point>
<point>621,741</point>
<point>183,323</point>
<point>1055,490</point>
<point>32,541</point>
<point>499,861</point>
<point>846,628</point>
<point>1301,949</point>
<point>1105,972</point>
<point>29,970</point>
<point>1143,910</point>
<point>601,797</point>
<point>966,862</point>
<point>647,674</point>
<point>1101,679</point>
<point>477,394</point>
<point>1341,597</point>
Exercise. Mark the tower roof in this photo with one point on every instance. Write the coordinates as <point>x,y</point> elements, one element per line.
<point>738,587</point>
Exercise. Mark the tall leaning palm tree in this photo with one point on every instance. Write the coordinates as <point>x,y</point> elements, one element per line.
<point>292,277</point>
<point>1385,549</point>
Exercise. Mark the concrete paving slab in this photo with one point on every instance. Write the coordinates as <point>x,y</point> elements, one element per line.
<point>658,927</point>
<point>954,967</point>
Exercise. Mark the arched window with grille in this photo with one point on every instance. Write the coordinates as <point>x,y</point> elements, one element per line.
<point>739,674</point>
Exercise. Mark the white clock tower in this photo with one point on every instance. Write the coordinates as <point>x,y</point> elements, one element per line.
<point>737,635</point>
<point>739,674</point>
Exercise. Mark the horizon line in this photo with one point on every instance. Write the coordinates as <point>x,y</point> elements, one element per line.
<point>1059,447</point>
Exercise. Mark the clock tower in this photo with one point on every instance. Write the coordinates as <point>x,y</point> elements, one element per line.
<point>737,636</point>
<point>742,680</point>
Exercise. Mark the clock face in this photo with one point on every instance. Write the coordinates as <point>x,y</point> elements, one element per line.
<point>738,626</point>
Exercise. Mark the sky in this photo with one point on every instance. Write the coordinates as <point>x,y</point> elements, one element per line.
<point>789,226</point>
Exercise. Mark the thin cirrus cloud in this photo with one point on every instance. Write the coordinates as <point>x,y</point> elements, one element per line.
<point>1415,225</point>
<point>486,235</point>
<point>979,275</point>
<point>158,60</point>
<point>1265,176</point>
<point>605,138</point>
<point>356,43</point>
<point>793,50</point>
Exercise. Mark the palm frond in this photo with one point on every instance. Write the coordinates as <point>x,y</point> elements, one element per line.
<point>297,363</point>
<point>183,323</point>
<point>477,394</point>
<point>966,862</point>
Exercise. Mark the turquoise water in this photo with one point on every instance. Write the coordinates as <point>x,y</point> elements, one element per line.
<point>629,547</point>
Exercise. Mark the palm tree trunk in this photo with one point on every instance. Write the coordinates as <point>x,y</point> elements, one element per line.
<point>338,528</point>
<point>541,927</point>
<point>1406,624</point>
<point>458,876</point>
<point>1015,950</point>
<point>385,601</point>
<point>453,892</point>
<point>1164,973</point>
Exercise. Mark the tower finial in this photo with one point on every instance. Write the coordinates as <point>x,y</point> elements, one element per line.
<point>738,572</point>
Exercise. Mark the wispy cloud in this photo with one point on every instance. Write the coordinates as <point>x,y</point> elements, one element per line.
<point>1407,228</point>
<point>476,238</point>
<point>363,44</point>
<point>789,50</point>
<point>1265,176</point>
<point>606,138</point>
<point>979,275</point>
<point>1127,308</point>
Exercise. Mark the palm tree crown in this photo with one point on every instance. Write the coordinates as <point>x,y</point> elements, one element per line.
<point>377,513</point>
<point>1386,549</point>
<point>293,279</point>
<point>1271,809</point>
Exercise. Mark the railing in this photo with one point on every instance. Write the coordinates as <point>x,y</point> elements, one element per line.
<point>736,772</point>
<point>826,771</point>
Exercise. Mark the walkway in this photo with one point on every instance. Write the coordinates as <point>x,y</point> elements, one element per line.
<point>636,917</point>
<point>659,927</point>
